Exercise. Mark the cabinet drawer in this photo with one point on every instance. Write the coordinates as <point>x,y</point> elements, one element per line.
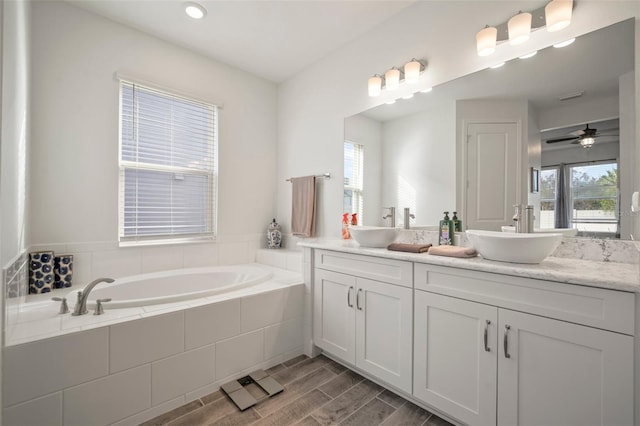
<point>375,268</point>
<point>606,309</point>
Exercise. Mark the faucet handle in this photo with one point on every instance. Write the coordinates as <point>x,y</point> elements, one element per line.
<point>99,308</point>
<point>64,308</point>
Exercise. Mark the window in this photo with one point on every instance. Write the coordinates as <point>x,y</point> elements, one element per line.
<point>168,165</point>
<point>353,178</point>
<point>548,188</point>
<point>594,197</point>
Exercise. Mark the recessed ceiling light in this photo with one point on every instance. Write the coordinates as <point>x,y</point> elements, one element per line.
<point>500,65</point>
<point>564,43</point>
<point>409,96</point>
<point>427,90</point>
<point>529,55</point>
<point>194,10</point>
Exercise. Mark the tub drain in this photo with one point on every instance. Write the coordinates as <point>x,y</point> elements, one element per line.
<point>237,392</point>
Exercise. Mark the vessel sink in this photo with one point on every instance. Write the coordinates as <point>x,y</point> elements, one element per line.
<point>373,236</point>
<point>513,247</point>
<point>567,232</point>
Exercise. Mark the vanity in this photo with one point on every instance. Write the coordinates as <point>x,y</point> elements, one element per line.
<point>483,342</point>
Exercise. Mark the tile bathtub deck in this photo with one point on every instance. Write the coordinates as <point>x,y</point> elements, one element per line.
<point>318,391</point>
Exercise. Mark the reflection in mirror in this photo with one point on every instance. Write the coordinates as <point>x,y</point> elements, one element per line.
<point>470,144</point>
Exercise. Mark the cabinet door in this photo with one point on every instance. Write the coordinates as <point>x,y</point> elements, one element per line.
<point>558,373</point>
<point>384,332</point>
<point>454,370</point>
<point>334,313</point>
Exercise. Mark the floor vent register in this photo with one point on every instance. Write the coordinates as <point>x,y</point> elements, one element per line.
<point>237,391</point>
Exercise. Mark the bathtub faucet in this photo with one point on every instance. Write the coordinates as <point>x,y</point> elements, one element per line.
<point>83,295</point>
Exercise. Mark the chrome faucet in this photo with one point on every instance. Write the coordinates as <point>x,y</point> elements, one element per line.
<point>391,215</point>
<point>517,218</point>
<point>523,218</point>
<point>83,295</point>
<point>407,217</point>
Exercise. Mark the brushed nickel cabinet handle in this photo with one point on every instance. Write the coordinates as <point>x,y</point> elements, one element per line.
<point>358,300</point>
<point>486,336</point>
<point>507,327</point>
<point>349,304</point>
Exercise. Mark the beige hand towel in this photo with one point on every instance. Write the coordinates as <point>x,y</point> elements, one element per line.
<point>303,206</point>
<point>453,251</point>
<point>409,248</point>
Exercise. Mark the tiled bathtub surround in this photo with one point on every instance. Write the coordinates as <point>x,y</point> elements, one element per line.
<point>16,277</point>
<point>163,359</point>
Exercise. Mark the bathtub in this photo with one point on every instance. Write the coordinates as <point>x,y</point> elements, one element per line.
<point>174,285</point>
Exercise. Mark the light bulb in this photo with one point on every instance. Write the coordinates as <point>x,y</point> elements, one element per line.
<point>392,79</point>
<point>519,28</point>
<point>194,10</point>
<point>486,41</point>
<point>412,71</point>
<point>375,86</point>
<point>558,14</point>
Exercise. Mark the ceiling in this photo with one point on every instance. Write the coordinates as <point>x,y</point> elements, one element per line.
<point>271,39</point>
<point>592,64</point>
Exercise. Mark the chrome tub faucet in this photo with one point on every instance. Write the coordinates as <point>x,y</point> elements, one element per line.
<point>83,296</point>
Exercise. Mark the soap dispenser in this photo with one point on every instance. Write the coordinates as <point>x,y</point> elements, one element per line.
<point>457,223</point>
<point>446,231</point>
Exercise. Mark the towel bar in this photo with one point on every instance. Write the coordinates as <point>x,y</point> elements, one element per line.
<point>324,175</point>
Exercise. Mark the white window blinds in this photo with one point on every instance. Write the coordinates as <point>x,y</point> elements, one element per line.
<point>168,165</point>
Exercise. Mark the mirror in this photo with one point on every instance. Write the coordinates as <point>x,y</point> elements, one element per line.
<point>416,153</point>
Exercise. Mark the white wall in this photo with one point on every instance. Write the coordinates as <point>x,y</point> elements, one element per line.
<point>313,104</point>
<point>368,132</point>
<point>534,158</point>
<point>15,129</point>
<point>74,170</point>
<point>628,166</point>
<point>419,164</point>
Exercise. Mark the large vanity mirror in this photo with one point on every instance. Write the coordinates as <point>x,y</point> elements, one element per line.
<point>515,134</point>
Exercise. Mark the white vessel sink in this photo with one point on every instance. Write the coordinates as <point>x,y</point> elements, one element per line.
<point>512,247</point>
<point>567,232</point>
<point>373,236</point>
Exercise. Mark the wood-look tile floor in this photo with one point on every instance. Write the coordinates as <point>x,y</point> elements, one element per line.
<point>318,391</point>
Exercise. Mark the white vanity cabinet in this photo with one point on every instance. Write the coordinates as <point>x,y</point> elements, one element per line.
<point>362,313</point>
<point>492,349</point>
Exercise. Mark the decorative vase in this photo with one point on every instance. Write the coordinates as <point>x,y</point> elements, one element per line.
<point>40,272</point>
<point>274,236</point>
<point>63,270</point>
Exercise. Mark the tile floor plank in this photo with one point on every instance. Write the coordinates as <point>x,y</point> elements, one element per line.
<point>341,383</point>
<point>408,415</point>
<point>214,396</point>
<point>206,414</point>
<point>295,390</point>
<point>298,370</point>
<point>391,398</point>
<point>334,366</point>
<point>436,421</point>
<point>173,414</point>
<point>296,410</point>
<point>345,404</point>
<point>295,360</point>
<point>372,413</point>
<point>275,369</point>
<point>239,418</point>
<point>308,421</point>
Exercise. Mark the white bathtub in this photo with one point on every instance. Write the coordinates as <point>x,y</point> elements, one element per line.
<point>174,286</point>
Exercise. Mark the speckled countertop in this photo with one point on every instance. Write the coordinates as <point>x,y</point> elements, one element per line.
<point>609,275</point>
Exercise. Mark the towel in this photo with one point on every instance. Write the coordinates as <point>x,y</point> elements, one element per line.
<point>453,251</point>
<point>303,206</point>
<point>409,248</point>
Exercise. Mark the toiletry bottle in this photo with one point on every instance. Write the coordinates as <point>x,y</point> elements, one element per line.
<point>345,226</point>
<point>354,219</point>
<point>457,223</point>
<point>445,236</point>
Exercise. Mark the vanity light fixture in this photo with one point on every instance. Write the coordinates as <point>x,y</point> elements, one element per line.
<point>392,79</point>
<point>195,10</point>
<point>529,55</point>
<point>391,102</point>
<point>519,28</point>
<point>496,66</point>
<point>409,96</point>
<point>409,73</point>
<point>564,43</point>
<point>375,85</point>
<point>427,90</point>
<point>556,15</point>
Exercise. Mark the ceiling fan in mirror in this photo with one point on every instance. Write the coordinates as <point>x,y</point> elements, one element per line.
<point>585,137</point>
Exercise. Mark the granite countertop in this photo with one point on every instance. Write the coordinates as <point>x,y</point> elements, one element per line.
<point>608,275</point>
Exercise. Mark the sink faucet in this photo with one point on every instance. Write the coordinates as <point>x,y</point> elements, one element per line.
<point>391,215</point>
<point>83,295</point>
<point>407,217</point>
<point>517,218</point>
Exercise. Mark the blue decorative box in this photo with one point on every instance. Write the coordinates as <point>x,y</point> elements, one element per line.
<point>41,272</point>
<point>63,270</point>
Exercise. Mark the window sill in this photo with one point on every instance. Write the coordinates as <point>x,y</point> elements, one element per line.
<point>168,241</point>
